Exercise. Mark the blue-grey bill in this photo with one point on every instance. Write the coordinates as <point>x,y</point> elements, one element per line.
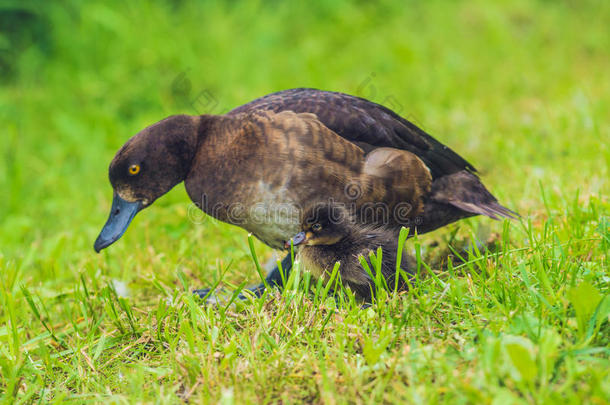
<point>121,214</point>
<point>296,240</point>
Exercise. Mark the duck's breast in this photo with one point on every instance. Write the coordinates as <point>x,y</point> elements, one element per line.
<point>274,216</point>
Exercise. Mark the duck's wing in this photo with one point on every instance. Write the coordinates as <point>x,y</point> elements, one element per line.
<point>404,177</point>
<point>364,123</point>
<point>451,192</point>
<point>297,151</point>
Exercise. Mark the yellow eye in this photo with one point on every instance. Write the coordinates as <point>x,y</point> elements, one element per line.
<point>316,227</point>
<point>134,169</point>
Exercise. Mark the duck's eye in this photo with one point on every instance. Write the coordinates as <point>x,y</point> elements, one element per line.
<point>316,227</point>
<point>134,169</point>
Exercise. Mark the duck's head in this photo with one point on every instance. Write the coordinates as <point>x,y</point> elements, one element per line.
<point>149,165</point>
<point>323,224</point>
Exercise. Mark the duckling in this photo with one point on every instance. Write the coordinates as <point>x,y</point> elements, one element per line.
<point>330,235</point>
<point>256,166</point>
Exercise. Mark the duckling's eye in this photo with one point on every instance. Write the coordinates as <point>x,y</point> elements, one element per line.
<point>134,169</point>
<point>316,227</point>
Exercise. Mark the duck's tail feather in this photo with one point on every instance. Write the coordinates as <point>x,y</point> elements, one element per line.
<point>465,191</point>
<point>492,209</point>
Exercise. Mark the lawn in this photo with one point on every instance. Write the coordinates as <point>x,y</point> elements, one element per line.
<point>519,88</point>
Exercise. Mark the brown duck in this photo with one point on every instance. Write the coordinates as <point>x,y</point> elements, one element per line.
<point>332,234</point>
<point>259,164</point>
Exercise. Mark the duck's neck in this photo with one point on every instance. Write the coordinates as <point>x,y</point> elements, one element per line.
<point>190,142</point>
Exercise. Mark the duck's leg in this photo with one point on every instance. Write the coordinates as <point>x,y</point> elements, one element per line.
<point>273,279</point>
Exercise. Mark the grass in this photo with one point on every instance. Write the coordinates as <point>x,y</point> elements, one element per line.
<point>519,88</point>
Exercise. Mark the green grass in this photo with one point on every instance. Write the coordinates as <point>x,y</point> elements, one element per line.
<point>519,88</point>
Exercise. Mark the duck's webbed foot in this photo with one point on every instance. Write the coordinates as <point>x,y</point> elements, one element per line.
<point>273,279</point>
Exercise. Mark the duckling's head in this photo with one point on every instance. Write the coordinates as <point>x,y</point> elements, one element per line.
<point>323,224</point>
<point>149,165</point>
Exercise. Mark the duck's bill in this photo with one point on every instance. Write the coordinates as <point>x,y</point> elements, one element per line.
<point>121,214</point>
<point>296,240</point>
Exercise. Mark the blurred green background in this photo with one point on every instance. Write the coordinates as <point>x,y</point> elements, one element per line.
<point>519,88</point>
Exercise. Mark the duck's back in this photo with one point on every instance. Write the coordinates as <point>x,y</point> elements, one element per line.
<point>365,123</point>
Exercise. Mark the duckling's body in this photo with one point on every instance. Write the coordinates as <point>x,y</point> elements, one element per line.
<point>343,240</point>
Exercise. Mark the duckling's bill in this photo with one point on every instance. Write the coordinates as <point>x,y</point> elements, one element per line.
<point>300,238</point>
<point>121,214</point>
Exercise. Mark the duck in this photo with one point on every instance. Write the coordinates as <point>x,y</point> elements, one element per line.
<point>332,234</point>
<point>258,165</point>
